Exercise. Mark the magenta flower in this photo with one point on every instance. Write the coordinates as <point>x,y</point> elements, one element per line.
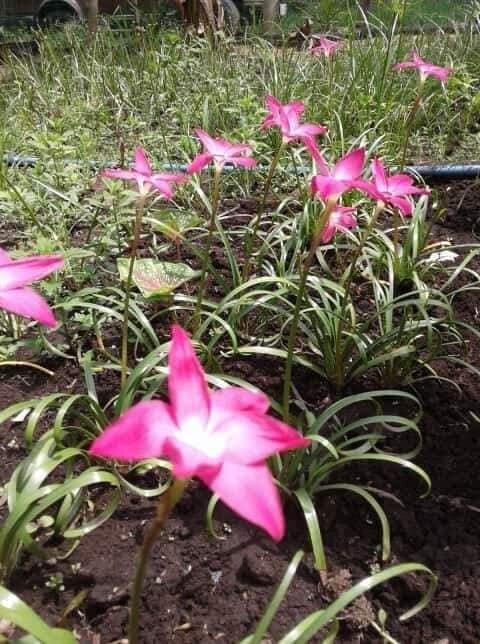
<point>222,437</point>
<point>220,152</point>
<point>143,174</point>
<point>15,294</point>
<point>341,219</point>
<point>287,118</point>
<point>392,190</point>
<point>425,68</point>
<point>330,183</point>
<point>325,47</point>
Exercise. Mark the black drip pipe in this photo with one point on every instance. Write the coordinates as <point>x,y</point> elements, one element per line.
<point>445,172</point>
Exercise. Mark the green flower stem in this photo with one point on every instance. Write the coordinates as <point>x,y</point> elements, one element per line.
<point>214,204</point>
<point>166,504</point>
<point>346,287</point>
<point>409,123</point>
<point>316,238</point>
<point>408,132</point>
<point>133,255</point>
<point>397,251</point>
<point>253,235</point>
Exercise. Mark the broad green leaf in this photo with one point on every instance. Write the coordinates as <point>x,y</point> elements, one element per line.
<point>14,610</point>
<point>154,278</point>
<point>172,224</point>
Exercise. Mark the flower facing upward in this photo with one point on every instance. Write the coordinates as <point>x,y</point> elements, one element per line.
<point>143,174</point>
<point>325,47</point>
<point>330,183</point>
<point>222,437</point>
<point>287,118</point>
<point>220,152</point>
<point>424,68</point>
<point>15,294</point>
<point>392,190</point>
<point>341,218</point>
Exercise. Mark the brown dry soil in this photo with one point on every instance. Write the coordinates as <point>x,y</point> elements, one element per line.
<point>201,590</point>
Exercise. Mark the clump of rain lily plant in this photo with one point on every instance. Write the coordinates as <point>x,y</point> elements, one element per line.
<point>298,283</point>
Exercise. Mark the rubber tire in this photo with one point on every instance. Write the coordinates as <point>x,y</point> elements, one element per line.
<point>57,16</point>
<point>232,16</point>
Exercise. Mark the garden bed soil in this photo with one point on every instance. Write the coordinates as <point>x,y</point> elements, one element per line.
<point>201,590</point>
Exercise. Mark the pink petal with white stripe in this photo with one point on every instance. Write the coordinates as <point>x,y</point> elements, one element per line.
<point>187,387</point>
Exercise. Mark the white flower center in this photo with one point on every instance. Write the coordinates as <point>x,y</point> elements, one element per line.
<point>202,439</point>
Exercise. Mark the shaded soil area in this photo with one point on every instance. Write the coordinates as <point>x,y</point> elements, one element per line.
<point>200,589</point>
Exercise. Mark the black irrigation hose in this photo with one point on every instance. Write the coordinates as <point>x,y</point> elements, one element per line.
<point>447,172</point>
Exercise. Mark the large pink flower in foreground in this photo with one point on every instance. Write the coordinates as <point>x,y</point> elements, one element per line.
<point>16,296</point>
<point>223,437</point>
<point>342,218</point>
<point>392,190</point>
<point>287,118</point>
<point>325,47</point>
<point>424,68</point>
<point>330,183</point>
<point>220,152</point>
<point>143,174</point>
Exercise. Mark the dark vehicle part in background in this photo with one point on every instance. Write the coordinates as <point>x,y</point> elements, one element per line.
<point>46,12</point>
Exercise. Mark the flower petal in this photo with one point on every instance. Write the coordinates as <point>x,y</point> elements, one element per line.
<point>5,257</point>
<point>187,387</point>
<point>21,272</point>
<point>199,162</point>
<point>208,142</point>
<point>403,204</point>
<point>188,460</point>
<point>250,491</point>
<point>139,433</point>
<point>379,175</point>
<point>328,187</point>
<point>163,187</point>
<point>321,165</point>
<point>310,130</point>
<point>27,303</point>
<point>405,65</point>
<point>142,164</point>
<point>328,232</point>
<point>350,166</point>
<point>402,184</point>
<point>251,437</point>
<point>246,162</point>
<point>236,399</point>
<point>118,173</point>
<point>369,188</point>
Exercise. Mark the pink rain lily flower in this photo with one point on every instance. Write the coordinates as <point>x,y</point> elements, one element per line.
<point>330,183</point>
<point>341,219</point>
<point>16,296</point>
<point>220,152</point>
<point>325,47</point>
<point>143,174</point>
<point>222,437</point>
<point>287,118</point>
<point>391,189</point>
<point>425,68</point>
